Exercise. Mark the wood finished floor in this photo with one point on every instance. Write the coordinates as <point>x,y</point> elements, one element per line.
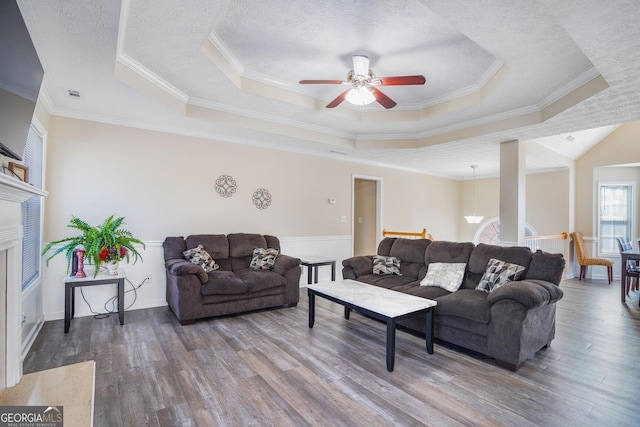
<point>268,368</point>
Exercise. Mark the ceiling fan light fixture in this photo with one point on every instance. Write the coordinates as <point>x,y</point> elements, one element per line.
<point>360,96</point>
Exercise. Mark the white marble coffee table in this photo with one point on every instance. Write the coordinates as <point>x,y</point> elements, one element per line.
<point>379,303</point>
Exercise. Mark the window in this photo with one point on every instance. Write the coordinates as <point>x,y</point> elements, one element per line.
<point>489,232</point>
<point>31,209</point>
<point>615,215</point>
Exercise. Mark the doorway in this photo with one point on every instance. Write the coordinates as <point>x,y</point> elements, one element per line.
<point>367,214</point>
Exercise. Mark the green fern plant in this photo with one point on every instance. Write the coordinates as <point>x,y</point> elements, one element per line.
<point>107,237</point>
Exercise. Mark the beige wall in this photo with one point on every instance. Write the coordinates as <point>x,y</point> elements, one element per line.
<point>619,148</point>
<point>547,202</point>
<point>164,185</point>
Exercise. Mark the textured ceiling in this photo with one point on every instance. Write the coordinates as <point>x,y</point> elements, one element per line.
<point>496,70</point>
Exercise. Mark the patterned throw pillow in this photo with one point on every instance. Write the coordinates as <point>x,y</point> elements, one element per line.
<point>202,258</point>
<point>498,273</point>
<point>386,265</point>
<point>263,259</point>
<point>447,276</point>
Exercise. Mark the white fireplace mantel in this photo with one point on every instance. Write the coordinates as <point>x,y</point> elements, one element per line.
<point>12,193</point>
<point>14,190</point>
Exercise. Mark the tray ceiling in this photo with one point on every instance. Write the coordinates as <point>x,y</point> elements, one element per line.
<point>229,70</point>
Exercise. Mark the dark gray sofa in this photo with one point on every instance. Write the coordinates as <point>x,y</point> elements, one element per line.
<point>193,293</point>
<point>510,324</point>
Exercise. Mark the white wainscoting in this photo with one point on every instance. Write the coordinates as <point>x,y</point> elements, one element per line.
<point>149,295</point>
<point>337,247</point>
<point>153,294</point>
<point>32,316</point>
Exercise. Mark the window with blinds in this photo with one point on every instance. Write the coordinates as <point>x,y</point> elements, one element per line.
<point>31,209</point>
<point>615,215</point>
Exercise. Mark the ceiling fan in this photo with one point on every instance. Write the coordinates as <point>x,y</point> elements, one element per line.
<point>364,84</point>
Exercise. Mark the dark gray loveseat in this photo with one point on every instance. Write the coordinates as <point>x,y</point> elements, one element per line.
<point>193,293</point>
<point>510,323</point>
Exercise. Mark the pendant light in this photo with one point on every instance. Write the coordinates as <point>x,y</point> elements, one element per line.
<point>474,219</point>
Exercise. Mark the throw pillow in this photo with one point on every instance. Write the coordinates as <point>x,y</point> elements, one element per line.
<point>386,265</point>
<point>498,273</point>
<point>201,257</point>
<point>263,259</point>
<point>447,275</point>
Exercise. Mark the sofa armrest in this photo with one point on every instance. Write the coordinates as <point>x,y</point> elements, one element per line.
<point>555,293</point>
<point>284,263</point>
<point>357,266</point>
<point>182,267</point>
<point>529,293</point>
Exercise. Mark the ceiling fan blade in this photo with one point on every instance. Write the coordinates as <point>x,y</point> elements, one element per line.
<point>401,80</point>
<point>338,100</point>
<point>360,65</point>
<point>321,82</point>
<point>382,99</point>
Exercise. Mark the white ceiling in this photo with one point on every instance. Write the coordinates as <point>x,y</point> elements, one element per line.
<point>559,75</point>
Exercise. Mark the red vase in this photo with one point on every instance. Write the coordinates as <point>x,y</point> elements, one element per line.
<point>80,272</point>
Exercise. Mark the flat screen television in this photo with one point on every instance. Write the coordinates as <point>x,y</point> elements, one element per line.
<point>21,76</point>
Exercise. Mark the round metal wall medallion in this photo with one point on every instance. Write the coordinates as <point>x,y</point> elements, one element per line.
<point>226,185</point>
<point>261,198</point>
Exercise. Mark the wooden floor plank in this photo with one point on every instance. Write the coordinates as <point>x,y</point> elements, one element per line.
<point>268,368</point>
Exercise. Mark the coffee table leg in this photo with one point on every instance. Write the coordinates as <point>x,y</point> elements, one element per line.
<point>312,307</point>
<point>347,312</point>
<point>391,344</point>
<point>429,331</point>
<point>309,275</point>
<point>333,271</point>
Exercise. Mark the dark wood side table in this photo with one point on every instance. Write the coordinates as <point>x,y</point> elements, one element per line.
<point>626,256</point>
<point>313,262</point>
<point>103,278</point>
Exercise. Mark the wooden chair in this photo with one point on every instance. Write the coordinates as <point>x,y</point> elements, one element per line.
<point>584,261</point>
<point>633,273</point>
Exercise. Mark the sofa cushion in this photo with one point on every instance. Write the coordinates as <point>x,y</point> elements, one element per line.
<point>445,275</point>
<point>201,257</point>
<point>386,265</point>
<point>410,250</point>
<point>454,252</point>
<point>388,281</point>
<point>481,255</point>
<point>224,283</point>
<point>263,259</point>
<point>499,273</point>
<point>242,244</point>
<point>272,242</point>
<point>428,292</point>
<point>216,244</point>
<point>466,303</point>
<point>258,280</point>
<point>385,245</point>
<point>173,248</point>
<point>546,266</point>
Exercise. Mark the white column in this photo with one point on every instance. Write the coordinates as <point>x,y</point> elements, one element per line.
<point>512,193</point>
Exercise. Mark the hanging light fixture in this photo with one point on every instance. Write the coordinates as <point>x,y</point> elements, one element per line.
<point>474,219</point>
